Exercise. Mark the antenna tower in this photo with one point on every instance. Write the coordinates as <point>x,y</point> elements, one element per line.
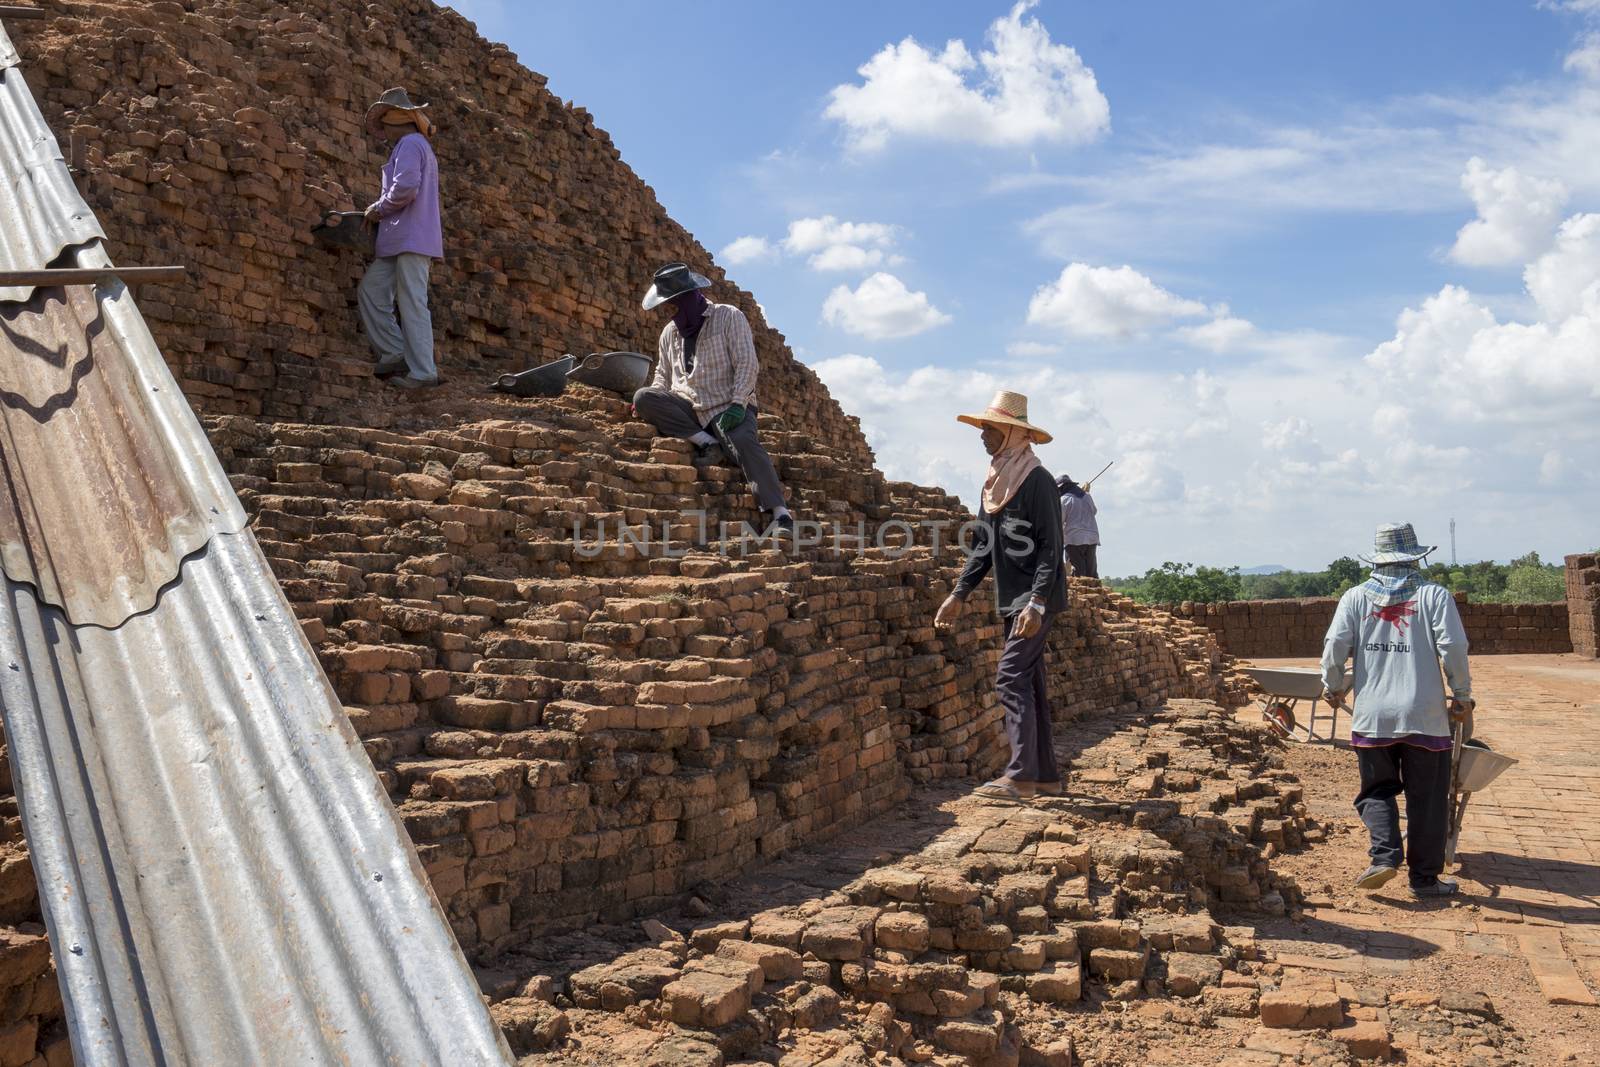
<point>1452,542</point>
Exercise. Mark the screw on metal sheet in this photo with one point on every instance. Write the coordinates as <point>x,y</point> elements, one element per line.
<point>15,667</point>
<point>377,878</point>
<point>77,950</point>
<point>261,618</point>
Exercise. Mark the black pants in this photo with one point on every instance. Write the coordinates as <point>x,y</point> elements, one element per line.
<point>1021,684</point>
<point>1081,559</point>
<point>674,416</point>
<point>1424,777</point>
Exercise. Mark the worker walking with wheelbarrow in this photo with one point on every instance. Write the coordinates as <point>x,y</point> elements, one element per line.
<point>1399,628</point>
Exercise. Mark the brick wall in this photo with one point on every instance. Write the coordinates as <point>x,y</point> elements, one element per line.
<point>1268,629</point>
<point>573,738</point>
<point>214,133</point>
<point>1583,603</point>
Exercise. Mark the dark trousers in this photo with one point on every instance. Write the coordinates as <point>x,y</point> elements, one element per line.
<point>673,416</point>
<point>1081,559</point>
<point>1424,777</point>
<point>1021,685</point>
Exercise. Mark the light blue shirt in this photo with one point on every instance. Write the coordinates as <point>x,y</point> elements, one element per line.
<point>1397,650</point>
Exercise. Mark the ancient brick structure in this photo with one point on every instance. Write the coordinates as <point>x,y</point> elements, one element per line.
<point>1267,629</point>
<point>214,133</point>
<point>572,732</point>
<point>1583,603</point>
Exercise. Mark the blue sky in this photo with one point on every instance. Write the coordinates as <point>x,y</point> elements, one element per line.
<point>1299,268</point>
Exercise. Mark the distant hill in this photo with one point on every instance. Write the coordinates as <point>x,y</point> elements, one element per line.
<point>1265,568</point>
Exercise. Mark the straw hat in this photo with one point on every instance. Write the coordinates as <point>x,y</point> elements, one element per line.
<point>1007,409</point>
<point>395,108</point>
<point>1396,542</point>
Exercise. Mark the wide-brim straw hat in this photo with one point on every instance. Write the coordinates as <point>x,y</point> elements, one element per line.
<point>398,102</point>
<point>1007,409</point>
<point>1396,542</point>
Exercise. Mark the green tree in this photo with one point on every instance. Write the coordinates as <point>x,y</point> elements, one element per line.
<point>1344,573</point>
<point>1174,582</point>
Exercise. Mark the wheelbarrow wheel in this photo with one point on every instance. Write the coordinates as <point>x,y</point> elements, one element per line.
<point>1280,717</point>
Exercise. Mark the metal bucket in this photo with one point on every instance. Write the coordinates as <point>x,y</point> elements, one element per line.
<point>620,372</point>
<point>548,379</point>
<point>344,229</point>
<point>1480,766</point>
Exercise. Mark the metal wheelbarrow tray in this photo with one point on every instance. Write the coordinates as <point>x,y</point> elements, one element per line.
<point>624,373</point>
<point>1475,766</point>
<point>547,379</point>
<point>1284,688</point>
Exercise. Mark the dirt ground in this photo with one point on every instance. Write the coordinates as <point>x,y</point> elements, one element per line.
<point>1526,931</point>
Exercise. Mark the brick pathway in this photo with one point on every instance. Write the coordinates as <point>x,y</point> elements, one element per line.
<point>1529,850</point>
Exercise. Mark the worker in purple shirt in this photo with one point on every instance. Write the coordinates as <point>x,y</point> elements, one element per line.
<point>410,237</point>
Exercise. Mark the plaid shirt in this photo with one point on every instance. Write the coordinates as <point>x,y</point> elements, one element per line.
<point>725,364</point>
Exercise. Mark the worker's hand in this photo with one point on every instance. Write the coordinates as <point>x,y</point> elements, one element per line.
<point>371,214</point>
<point>730,419</point>
<point>1333,697</point>
<point>633,411</point>
<point>948,613</point>
<point>1028,623</point>
<point>1461,709</point>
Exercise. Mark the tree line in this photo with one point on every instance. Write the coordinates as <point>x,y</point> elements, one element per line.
<point>1525,580</point>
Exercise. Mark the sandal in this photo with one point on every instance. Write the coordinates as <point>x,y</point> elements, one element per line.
<point>1006,789</point>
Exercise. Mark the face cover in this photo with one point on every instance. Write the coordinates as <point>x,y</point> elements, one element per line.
<point>691,313</point>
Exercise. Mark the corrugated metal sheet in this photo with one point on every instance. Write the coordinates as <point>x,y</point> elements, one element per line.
<point>94,425</point>
<point>41,212</point>
<point>223,878</point>
<point>225,881</point>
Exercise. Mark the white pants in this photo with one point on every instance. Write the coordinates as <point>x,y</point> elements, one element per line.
<point>399,282</point>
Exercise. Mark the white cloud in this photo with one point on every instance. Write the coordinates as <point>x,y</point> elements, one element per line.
<point>1028,349</point>
<point>1224,333</point>
<point>746,250</point>
<point>1474,368</point>
<point>1148,476</point>
<point>1517,214</point>
<point>1565,280</point>
<point>1206,397</point>
<point>836,245</point>
<point>1023,89</point>
<point>1585,59</point>
<point>1554,469</point>
<point>819,234</point>
<point>833,245</point>
<point>881,308</point>
<point>1090,301</point>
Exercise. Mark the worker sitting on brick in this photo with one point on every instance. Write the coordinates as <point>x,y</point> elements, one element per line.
<point>410,237</point>
<point>1399,627</point>
<point>704,388</point>
<point>1020,541</point>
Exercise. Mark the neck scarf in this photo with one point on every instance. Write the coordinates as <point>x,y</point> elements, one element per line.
<point>691,313</point>
<point>1392,583</point>
<point>1008,469</point>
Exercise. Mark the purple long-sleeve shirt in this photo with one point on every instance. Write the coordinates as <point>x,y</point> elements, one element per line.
<point>408,209</point>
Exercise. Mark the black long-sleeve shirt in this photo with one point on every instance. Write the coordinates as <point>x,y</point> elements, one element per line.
<point>1022,545</point>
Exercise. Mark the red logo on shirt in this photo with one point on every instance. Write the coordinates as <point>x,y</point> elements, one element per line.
<point>1399,614</point>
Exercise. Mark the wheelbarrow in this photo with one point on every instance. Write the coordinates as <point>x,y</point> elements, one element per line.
<point>1283,688</point>
<point>547,379</point>
<point>1472,767</point>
